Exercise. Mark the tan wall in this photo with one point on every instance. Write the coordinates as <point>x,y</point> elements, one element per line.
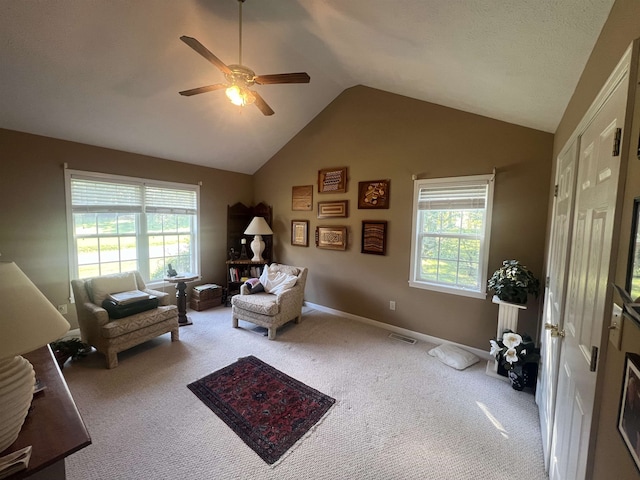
<point>33,228</point>
<point>379,135</point>
<point>611,459</point>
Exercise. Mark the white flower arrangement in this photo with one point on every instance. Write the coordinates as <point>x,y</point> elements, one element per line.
<point>513,350</point>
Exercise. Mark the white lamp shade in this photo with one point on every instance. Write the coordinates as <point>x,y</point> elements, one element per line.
<point>258,226</point>
<point>27,319</point>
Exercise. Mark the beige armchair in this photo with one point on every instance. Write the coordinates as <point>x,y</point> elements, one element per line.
<point>269,310</point>
<point>110,336</point>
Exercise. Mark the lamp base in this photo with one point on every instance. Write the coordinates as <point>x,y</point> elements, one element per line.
<point>257,247</point>
<point>17,380</point>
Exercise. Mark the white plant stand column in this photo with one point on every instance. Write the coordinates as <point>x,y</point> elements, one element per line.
<point>507,320</point>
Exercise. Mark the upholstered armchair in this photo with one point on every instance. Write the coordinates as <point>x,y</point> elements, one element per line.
<point>271,310</point>
<point>112,335</point>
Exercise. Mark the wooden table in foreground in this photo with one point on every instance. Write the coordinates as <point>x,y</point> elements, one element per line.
<point>54,427</point>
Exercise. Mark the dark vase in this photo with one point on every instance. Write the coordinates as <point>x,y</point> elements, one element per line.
<point>517,380</point>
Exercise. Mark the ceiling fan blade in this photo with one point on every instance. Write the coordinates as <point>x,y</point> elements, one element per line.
<point>262,105</point>
<point>300,77</point>
<point>202,50</point>
<point>208,88</point>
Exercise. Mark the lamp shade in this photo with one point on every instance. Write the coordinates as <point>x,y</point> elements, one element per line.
<point>27,319</point>
<point>258,226</point>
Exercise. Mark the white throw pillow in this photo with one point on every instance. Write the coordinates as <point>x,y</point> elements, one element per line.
<point>120,282</point>
<point>454,356</point>
<point>276,282</point>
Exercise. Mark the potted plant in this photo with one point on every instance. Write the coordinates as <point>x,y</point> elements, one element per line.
<point>72,348</point>
<point>513,282</point>
<point>518,356</point>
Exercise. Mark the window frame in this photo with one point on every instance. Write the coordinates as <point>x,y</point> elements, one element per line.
<point>141,220</point>
<point>414,281</point>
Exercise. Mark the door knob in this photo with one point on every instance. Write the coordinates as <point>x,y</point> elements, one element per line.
<point>555,332</point>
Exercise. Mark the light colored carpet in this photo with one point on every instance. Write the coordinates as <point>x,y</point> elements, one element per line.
<point>399,413</point>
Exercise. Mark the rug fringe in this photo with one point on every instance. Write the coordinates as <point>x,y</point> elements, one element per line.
<point>306,435</point>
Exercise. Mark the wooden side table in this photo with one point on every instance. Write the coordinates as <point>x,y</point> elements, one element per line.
<point>53,427</point>
<point>181,295</point>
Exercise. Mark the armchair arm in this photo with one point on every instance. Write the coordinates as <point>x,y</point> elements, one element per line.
<point>290,295</point>
<point>163,297</point>
<point>100,314</point>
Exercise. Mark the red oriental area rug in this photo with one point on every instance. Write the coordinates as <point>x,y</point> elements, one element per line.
<point>268,410</point>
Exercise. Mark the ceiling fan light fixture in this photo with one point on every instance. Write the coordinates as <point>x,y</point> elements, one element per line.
<point>239,96</point>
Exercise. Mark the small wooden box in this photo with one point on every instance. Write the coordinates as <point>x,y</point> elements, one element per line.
<point>199,305</point>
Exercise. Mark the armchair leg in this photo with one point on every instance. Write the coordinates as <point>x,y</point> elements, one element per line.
<point>175,335</point>
<point>272,333</point>
<point>298,319</point>
<point>234,322</point>
<point>112,359</point>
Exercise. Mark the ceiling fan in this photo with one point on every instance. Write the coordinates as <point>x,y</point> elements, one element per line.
<point>239,77</point>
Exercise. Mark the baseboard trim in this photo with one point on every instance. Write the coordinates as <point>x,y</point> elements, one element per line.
<point>402,331</point>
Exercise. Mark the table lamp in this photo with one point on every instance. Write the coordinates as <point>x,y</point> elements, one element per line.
<point>258,227</point>
<point>27,321</point>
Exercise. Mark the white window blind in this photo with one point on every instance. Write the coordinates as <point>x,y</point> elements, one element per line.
<point>170,200</point>
<point>452,197</point>
<point>88,195</point>
<point>95,196</point>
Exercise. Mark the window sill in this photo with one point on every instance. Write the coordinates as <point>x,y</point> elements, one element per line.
<point>452,291</point>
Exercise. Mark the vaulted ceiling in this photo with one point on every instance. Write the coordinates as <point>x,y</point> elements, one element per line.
<point>107,72</point>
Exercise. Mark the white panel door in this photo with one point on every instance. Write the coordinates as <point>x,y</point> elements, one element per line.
<point>558,258</point>
<point>584,310</point>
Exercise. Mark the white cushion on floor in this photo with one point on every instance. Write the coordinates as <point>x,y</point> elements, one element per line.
<point>453,356</point>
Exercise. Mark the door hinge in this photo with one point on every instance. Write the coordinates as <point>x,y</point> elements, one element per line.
<point>547,281</point>
<point>616,142</point>
<point>594,359</point>
<point>638,147</point>
<point>555,190</point>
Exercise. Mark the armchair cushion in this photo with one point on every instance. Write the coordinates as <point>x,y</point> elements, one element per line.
<point>117,327</point>
<point>262,303</point>
<point>101,287</point>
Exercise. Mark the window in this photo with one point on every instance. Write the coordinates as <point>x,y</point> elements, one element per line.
<point>450,241</point>
<point>118,224</point>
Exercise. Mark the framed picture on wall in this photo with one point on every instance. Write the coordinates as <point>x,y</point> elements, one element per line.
<point>302,198</point>
<point>331,238</point>
<point>300,233</point>
<point>373,194</point>
<point>374,237</point>
<point>633,268</point>
<point>629,413</point>
<point>338,208</point>
<point>332,180</point>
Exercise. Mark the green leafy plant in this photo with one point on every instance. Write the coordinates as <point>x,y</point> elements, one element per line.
<point>72,348</point>
<point>513,282</point>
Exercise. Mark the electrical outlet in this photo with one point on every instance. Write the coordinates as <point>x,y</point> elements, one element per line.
<point>392,305</point>
<point>62,309</point>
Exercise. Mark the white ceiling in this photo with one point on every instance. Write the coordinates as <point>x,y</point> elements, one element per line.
<point>108,72</point>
